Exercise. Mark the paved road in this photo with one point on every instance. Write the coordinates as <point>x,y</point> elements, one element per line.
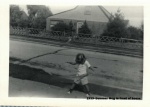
<point>26,88</point>
<point>113,71</point>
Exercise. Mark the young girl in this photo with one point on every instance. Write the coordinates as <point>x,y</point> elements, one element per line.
<point>82,74</point>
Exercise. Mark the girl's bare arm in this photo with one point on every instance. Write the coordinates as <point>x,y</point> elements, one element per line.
<point>91,68</point>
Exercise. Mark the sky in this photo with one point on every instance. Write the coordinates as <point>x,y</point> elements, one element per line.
<point>132,13</point>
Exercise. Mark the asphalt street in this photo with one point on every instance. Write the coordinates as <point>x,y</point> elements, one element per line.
<point>111,71</point>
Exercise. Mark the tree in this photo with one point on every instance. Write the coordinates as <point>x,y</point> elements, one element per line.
<point>18,18</point>
<point>134,33</point>
<point>15,15</point>
<point>117,26</point>
<point>85,29</point>
<point>23,20</point>
<point>38,15</point>
<point>71,27</point>
<point>142,30</point>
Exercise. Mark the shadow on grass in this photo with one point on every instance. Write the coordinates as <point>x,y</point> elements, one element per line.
<point>39,75</point>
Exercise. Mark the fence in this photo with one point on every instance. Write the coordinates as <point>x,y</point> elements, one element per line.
<point>80,38</point>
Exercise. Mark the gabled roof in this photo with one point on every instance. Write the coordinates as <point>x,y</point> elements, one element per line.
<point>89,13</point>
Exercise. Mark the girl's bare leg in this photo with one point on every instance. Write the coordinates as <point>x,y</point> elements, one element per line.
<point>87,90</point>
<point>72,87</point>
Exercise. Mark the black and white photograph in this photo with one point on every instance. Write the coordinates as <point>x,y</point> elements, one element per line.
<point>81,52</point>
<point>77,51</point>
<point>74,53</point>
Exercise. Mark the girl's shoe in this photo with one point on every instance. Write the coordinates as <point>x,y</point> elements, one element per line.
<point>70,91</point>
<point>87,95</point>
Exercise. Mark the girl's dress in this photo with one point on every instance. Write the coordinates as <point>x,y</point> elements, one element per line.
<point>82,70</point>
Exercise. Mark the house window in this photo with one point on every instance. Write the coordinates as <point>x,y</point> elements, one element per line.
<point>51,26</point>
<point>87,10</point>
<point>54,22</point>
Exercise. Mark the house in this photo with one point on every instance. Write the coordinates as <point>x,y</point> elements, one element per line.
<point>96,17</point>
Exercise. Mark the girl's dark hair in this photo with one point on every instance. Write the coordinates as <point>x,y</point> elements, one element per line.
<point>80,58</point>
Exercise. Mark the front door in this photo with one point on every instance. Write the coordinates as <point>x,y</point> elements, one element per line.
<point>79,24</point>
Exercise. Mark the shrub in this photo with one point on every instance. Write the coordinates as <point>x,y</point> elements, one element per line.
<point>85,29</point>
<point>117,26</point>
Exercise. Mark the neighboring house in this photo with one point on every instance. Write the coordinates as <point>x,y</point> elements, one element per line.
<point>96,17</point>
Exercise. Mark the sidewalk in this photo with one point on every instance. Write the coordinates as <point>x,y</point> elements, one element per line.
<point>27,88</point>
<point>35,82</point>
